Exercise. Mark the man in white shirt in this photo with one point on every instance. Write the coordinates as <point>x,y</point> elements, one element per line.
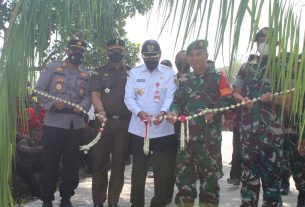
<point>149,93</point>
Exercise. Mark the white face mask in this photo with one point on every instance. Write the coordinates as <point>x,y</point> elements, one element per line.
<point>263,49</point>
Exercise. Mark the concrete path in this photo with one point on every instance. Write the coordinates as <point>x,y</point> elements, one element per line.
<point>229,195</point>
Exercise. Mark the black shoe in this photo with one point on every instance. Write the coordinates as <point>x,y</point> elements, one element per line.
<point>285,185</point>
<point>47,204</point>
<point>98,205</point>
<point>285,191</point>
<point>301,199</point>
<point>233,181</point>
<point>65,203</point>
<point>300,204</point>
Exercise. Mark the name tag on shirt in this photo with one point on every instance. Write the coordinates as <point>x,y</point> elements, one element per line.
<point>140,80</point>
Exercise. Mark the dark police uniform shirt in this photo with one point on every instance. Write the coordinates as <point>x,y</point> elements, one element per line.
<point>69,84</point>
<point>110,82</point>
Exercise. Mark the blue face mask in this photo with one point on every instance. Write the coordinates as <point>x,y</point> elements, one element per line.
<point>115,57</point>
<point>76,58</point>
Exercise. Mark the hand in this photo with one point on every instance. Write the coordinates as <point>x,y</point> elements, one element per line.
<point>266,97</point>
<point>102,116</point>
<point>170,118</point>
<point>248,105</point>
<point>59,105</point>
<point>144,116</point>
<point>209,117</point>
<point>159,118</point>
<point>301,149</point>
<point>78,108</point>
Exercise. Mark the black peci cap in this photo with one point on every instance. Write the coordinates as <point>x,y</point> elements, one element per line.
<point>151,49</point>
<point>77,44</point>
<point>116,43</point>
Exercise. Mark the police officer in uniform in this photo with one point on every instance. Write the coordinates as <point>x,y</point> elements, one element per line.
<point>63,124</point>
<point>107,92</point>
<point>149,93</point>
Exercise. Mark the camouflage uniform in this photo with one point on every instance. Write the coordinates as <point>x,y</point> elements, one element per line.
<point>293,162</point>
<point>202,155</point>
<point>261,138</point>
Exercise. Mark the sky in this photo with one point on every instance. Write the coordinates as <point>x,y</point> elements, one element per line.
<point>141,28</point>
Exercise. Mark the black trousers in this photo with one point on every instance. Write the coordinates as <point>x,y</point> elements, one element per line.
<point>235,171</point>
<point>115,142</point>
<point>59,143</point>
<point>162,158</point>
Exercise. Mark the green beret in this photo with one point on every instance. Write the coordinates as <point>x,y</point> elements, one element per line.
<point>197,44</point>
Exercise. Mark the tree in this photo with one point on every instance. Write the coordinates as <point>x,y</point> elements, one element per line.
<point>33,33</point>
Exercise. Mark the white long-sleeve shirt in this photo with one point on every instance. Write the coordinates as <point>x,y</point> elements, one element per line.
<point>140,94</point>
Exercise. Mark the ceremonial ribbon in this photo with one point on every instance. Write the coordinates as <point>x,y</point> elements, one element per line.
<point>183,119</point>
<point>147,123</point>
<point>86,147</point>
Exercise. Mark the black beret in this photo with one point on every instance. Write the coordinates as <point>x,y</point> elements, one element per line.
<point>77,43</point>
<point>150,48</point>
<point>116,43</point>
<point>197,44</point>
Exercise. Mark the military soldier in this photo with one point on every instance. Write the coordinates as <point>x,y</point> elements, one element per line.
<point>201,158</point>
<point>261,130</point>
<point>293,161</point>
<point>63,124</point>
<point>149,93</point>
<point>107,92</point>
<point>181,63</point>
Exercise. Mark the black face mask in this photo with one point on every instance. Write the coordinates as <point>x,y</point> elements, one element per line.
<point>151,65</point>
<point>183,67</point>
<point>76,58</point>
<point>115,57</point>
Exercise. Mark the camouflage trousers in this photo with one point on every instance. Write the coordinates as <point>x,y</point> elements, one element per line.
<point>200,160</point>
<point>294,163</point>
<point>261,161</point>
<point>286,161</point>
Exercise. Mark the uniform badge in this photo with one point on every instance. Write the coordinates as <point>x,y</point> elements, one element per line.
<point>107,90</point>
<point>59,69</point>
<point>161,78</point>
<point>58,86</point>
<point>151,48</point>
<point>79,43</point>
<point>106,74</point>
<point>140,91</point>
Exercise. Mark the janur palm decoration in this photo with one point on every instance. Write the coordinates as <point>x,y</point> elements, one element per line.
<point>29,31</point>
